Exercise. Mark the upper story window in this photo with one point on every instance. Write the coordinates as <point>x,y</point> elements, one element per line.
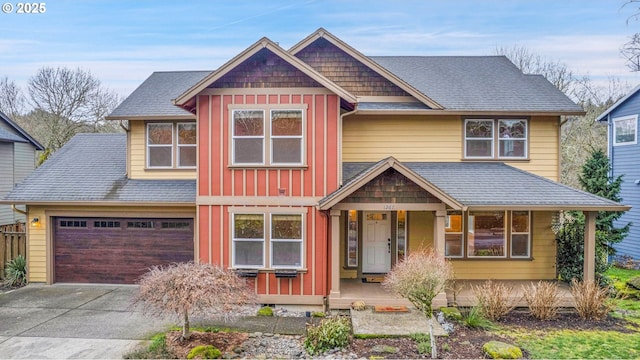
<point>625,130</point>
<point>171,145</point>
<point>271,138</point>
<point>495,138</point>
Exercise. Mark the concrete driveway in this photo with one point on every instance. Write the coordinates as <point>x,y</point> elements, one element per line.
<point>72,322</point>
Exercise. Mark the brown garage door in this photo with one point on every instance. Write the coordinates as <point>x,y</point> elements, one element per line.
<point>117,250</point>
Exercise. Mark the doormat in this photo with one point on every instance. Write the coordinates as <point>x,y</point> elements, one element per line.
<point>390,308</point>
<point>373,279</point>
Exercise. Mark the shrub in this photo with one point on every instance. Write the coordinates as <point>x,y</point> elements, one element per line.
<point>494,299</point>
<point>419,337</point>
<point>157,349</point>
<point>474,319</point>
<point>331,333</point>
<point>424,347</point>
<point>543,299</point>
<point>16,272</point>
<point>205,351</point>
<point>265,311</point>
<point>182,289</point>
<point>419,278</point>
<point>592,301</point>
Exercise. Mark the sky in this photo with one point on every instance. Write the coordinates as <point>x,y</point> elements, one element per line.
<point>123,42</point>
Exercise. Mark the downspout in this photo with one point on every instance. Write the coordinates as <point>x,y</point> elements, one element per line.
<point>355,110</point>
<point>325,298</point>
<point>14,208</point>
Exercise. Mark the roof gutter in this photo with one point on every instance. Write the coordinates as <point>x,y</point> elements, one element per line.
<point>471,113</point>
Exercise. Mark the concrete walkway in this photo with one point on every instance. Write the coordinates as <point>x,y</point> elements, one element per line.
<point>369,322</point>
<point>72,322</point>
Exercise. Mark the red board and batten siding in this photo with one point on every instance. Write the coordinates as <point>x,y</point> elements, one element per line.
<point>318,179</point>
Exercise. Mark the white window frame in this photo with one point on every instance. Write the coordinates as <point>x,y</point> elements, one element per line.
<point>633,118</point>
<point>148,145</point>
<point>528,233</point>
<point>264,137</point>
<point>447,225</point>
<point>180,146</point>
<point>272,241</point>
<point>234,240</point>
<point>525,139</point>
<point>301,137</point>
<point>471,229</point>
<point>492,139</point>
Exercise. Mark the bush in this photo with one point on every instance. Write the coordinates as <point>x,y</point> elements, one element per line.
<point>424,347</point>
<point>494,299</point>
<point>474,319</point>
<point>420,277</point>
<point>157,349</point>
<point>592,301</point>
<point>182,289</point>
<point>205,352</point>
<point>16,272</point>
<point>331,333</point>
<point>265,311</point>
<point>543,299</point>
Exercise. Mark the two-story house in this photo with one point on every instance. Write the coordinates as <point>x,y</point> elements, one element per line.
<point>18,156</point>
<point>624,157</point>
<point>309,169</point>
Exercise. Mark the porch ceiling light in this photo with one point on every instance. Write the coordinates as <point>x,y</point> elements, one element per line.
<point>35,222</point>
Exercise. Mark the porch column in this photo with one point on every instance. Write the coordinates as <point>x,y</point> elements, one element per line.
<point>335,254</point>
<point>590,245</point>
<point>439,236</point>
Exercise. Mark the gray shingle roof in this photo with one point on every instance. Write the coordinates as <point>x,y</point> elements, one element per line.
<point>91,167</point>
<point>12,137</point>
<point>8,136</point>
<point>153,98</point>
<point>491,184</point>
<point>481,83</point>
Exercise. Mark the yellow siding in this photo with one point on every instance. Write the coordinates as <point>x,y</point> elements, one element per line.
<point>39,241</point>
<point>137,158</point>
<point>438,138</point>
<point>420,230</point>
<point>543,267</point>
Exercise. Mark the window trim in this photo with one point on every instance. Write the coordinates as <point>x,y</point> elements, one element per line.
<point>495,140</point>
<point>633,118</point>
<point>267,158</point>
<point>179,146</point>
<point>174,146</point>
<point>301,137</point>
<point>272,241</point>
<point>511,233</point>
<point>234,137</point>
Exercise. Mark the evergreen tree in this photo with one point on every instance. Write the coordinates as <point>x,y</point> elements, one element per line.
<point>595,178</point>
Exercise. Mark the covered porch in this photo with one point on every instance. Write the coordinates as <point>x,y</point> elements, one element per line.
<point>485,231</point>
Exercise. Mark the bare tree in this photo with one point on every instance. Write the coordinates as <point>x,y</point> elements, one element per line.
<point>184,289</point>
<point>12,100</point>
<point>631,49</point>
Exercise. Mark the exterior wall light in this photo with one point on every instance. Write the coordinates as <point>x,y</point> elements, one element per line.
<point>35,222</point>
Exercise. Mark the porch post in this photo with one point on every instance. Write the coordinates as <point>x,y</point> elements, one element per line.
<point>335,254</point>
<point>438,239</point>
<point>590,245</point>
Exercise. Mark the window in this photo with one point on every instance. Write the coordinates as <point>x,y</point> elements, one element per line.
<point>279,142</point>
<point>453,238</point>
<point>248,240</point>
<point>282,235</point>
<point>73,223</point>
<point>163,147</point>
<point>481,138</point>
<point>486,236</point>
<point>401,236</point>
<point>106,224</point>
<point>286,241</point>
<point>248,137</point>
<point>352,239</point>
<point>176,225</point>
<point>625,130</point>
<point>520,243</point>
<point>140,224</point>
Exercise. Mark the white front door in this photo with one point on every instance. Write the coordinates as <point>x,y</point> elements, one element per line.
<point>376,244</point>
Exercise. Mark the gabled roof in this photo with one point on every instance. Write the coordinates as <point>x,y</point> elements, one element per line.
<point>259,45</point>
<point>479,83</point>
<point>605,114</point>
<point>482,185</point>
<point>402,83</point>
<point>152,99</point>
<point>90,168</point>
<point>12,137</point>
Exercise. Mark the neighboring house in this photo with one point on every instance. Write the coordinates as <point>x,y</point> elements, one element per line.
<point>17,160</point>
<point>308,169</point>
<point>624,156</point>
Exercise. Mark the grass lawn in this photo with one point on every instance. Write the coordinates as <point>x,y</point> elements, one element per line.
<point>590,344</point>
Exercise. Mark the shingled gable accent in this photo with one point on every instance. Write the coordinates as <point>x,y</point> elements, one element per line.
<point>367,62</point>
<point>391,187</point>
<point>376,179</point>
<point>187,98</point>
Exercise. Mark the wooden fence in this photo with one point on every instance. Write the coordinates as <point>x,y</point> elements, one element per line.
<point>13,242</point>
